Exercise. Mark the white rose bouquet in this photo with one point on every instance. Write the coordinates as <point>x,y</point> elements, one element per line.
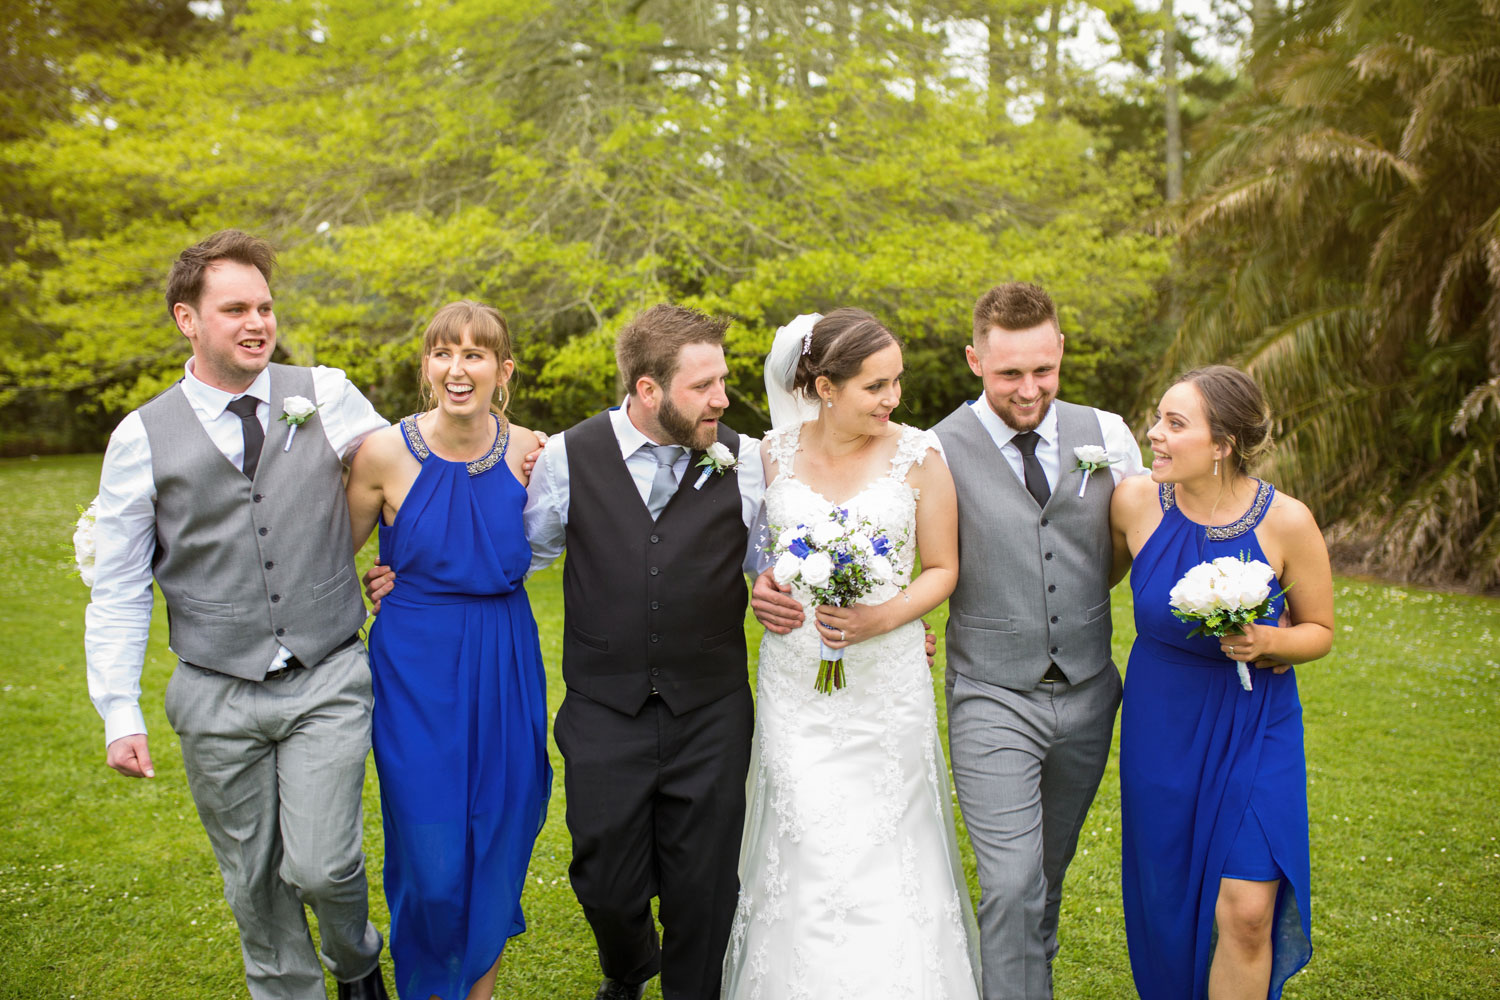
<point>836,562</point>
<point>83,541</point>
<point>1223,596</point>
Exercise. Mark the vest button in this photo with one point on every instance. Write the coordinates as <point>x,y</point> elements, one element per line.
<point>655,605</point>
<point>1047,556</point>
<point>270,564</point>
<point>1044,522</point>
<point>1051,588</point>
<point>281,631</point>
<point>265,531</point>
<point>655,539</point>
<point>654,570</point>
<point>277,597</point>
<point>655,637</point>
<point>257,497</point>
<point>1054,650</point>
<point>1054,617</point>
<point>655,671</point>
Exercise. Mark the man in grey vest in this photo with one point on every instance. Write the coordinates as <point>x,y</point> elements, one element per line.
<point>227,489</point>
<point>1032,692</point>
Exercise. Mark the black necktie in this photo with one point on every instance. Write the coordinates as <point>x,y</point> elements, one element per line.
<point>244,408</point>
<point>1036,479</point>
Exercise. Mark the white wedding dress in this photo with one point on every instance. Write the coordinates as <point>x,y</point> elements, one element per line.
<point>850,879</point>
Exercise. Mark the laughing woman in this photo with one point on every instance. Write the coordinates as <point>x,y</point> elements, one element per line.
<point>1213,783</point>
<point>460,722</point>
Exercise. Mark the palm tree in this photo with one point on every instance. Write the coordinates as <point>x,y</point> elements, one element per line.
<point>1345,228</point>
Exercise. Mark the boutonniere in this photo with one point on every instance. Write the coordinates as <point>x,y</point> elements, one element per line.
<point>296,411</point>
<point>83,541</point>
<point>717,458</point>
<point>1091,458</point>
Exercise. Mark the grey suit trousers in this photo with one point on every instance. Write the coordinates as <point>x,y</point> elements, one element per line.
<point>1026,765</point>
<point>277,770</point>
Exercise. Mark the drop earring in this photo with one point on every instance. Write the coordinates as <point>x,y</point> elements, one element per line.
<point>828,403</point>
<point>1216,466</point>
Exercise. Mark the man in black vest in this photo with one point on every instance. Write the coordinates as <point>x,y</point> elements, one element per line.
<point>654,501</point>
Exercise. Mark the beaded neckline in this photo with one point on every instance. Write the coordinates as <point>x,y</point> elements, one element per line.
<point>487,462</point>
<point>1235,529</point>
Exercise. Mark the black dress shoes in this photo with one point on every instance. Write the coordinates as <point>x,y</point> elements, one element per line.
<point>372,987</point>
<point>613,989</point>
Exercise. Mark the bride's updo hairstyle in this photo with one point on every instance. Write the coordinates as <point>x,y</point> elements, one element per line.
<point>485,325</point>
<point>1237,412</point>
<point>839,344</point>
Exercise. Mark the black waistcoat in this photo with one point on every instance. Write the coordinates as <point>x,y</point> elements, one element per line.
<point>651,604</point>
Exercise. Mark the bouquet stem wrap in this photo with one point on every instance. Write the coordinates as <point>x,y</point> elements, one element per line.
<point>830,669</point>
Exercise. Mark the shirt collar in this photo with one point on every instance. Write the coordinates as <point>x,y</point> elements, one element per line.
<point>1003,432</point>
<point>627,435</point>
<point>213,401</point>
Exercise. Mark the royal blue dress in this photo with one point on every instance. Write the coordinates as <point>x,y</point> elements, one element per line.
<point>460,720</point>
<point>1213,781</point>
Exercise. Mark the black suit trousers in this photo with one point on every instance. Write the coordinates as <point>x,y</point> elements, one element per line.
<point>656,807</point>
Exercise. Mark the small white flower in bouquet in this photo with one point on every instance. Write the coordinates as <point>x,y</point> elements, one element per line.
<point>836,562</point>
<point>83,542</point>
<point>1223,596</point>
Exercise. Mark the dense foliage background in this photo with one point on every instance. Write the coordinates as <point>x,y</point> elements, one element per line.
<point>1307,191</point>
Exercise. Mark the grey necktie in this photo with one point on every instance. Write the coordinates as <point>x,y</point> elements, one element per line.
<point>1036,479</point>
<point>255,435</point>
<point>664,484</point>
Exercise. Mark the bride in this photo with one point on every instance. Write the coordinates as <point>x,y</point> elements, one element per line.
<point>850,878</point>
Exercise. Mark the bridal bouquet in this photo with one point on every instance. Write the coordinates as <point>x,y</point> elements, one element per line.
<point>836,562</point>
<point>1223,596</point>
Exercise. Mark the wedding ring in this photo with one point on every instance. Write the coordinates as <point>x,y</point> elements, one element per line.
<point>842,637</point>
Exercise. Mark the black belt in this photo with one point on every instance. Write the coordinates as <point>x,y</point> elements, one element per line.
<point>1054,674</point>
<point>292,663</point>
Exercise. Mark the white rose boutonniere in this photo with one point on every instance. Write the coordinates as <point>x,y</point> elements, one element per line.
<point>296,411</point>
<point>1091,458</point>
<point>83,542</point>
<point>716,458</point>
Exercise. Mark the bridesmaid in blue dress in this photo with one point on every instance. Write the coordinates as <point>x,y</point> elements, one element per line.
<point>460,718</point>
<point>1213,781</point>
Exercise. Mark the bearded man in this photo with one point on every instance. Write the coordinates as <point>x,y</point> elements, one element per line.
<point>656,724</point>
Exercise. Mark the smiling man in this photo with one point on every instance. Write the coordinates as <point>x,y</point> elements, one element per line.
<point>246,531</point>
<point>1032,692</point>
<point>655,727</point>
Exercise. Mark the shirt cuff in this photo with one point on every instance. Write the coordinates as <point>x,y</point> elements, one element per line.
<point>126,720</point>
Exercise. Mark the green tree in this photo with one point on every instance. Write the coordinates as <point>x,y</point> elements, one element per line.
<point>1347,232</point>
<point>571,163</point>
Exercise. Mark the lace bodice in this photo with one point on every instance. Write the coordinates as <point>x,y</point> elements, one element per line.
<point>887,502</point>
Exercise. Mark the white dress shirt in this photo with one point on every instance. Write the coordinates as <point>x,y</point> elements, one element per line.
<point>546,514</point>
<point>117,622</point>
<point>1124,452</point>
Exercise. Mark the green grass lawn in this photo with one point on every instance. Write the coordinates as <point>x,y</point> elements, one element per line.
<point>108,887</point>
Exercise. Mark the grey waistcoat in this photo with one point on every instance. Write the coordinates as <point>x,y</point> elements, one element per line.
<point>1033,585</point>
<point>249,566</point>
